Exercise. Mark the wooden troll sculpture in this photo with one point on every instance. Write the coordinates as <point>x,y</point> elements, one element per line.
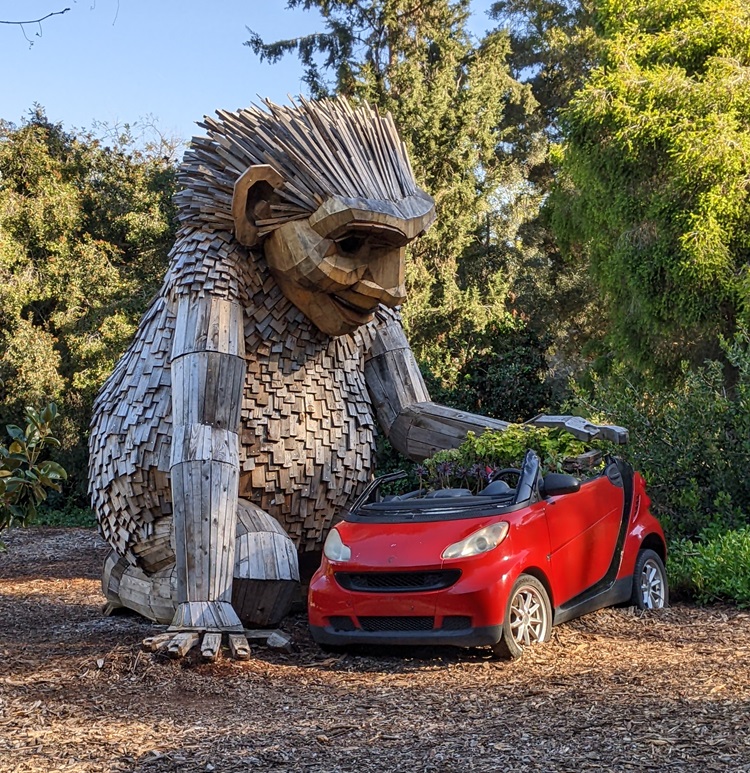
<point>242,419</point>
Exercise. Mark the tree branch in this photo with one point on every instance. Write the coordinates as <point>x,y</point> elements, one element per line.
<point>22,24</point>
<point>36,21</point>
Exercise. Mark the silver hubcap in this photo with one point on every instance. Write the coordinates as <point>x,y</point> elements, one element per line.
<point>652,585</point>
<point>528,617</point>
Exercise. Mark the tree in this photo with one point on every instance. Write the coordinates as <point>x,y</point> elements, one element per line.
<point>458,110</point>
<point>553,47</point>
<point>84,234</point>
<point>39,20</point>
<point>656,162</point>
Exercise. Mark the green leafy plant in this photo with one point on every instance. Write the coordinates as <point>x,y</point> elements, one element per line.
<point>691,442</point>
<point>85,228</point>
<point>471,464</point>
<point>69,517</point>
<point>713,567</point>
<point>652,190</point>
<point>25,478</point>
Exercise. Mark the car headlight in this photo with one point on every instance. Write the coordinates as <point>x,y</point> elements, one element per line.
<point>334,549</point>
<point>479,542</point>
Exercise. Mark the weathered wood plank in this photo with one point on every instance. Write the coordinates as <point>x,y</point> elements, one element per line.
<point>181,644</point>
<point>238,646</point>
<point>210,646</point>
<point>153,643</point>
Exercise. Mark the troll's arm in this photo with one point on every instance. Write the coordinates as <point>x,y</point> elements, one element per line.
<point>415,425</point>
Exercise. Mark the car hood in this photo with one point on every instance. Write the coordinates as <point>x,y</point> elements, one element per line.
<point>398,546</point>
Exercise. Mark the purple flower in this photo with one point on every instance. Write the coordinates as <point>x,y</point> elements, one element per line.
<point>444,469</point>
<point>478,471</point>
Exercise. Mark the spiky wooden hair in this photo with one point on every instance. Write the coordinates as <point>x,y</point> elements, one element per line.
<point>320,148</point>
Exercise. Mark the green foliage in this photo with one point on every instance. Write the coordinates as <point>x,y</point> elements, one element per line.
<point>506,448</point>
<point>70,517</point>
<point>552,49</point>
<point>714,567</point>
<point>654,186</point>
<point>25,478</point>
<point>507,376</point>
<point>691,442</point>
<point>473,462</point>
<point>84,234</point>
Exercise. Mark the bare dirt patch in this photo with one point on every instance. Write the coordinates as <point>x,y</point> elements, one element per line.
<point>613,691</point>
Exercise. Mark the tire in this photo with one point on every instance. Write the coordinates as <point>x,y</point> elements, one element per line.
<point>528,618</point>
<point>650,590</point>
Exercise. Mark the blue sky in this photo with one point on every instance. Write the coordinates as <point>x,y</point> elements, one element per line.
<point>118,61</point>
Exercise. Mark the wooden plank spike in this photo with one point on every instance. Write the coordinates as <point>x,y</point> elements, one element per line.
<point>238,646</point>
<point>153,643</point>
<point>257,635</point>
<point>110,608</point>
<point>210,646</point>
<point>279,641</point>
<point>182,643</point>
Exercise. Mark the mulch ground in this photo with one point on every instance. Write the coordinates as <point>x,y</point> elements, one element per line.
<point>615,691</point>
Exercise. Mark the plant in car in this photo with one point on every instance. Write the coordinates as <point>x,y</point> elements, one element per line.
<point>472,464</point>
<point>449,469</point>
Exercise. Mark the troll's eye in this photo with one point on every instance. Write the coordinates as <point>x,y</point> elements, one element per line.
<point>351,243</point>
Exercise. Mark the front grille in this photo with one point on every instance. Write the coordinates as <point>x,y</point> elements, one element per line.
<point>397,582</point>
<point>456,622</point>
<point>373,624</point>
<point>341,623</point>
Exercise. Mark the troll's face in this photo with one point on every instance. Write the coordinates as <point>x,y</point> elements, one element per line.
<point>346,258</point>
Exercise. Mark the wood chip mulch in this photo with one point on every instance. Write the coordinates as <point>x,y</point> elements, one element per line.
<point>614,691</point>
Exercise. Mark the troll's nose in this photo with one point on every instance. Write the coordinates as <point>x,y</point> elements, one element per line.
<point>383,280</point>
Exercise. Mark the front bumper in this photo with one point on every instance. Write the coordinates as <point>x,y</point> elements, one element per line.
<point>468,613</point>
<point>468,637</point>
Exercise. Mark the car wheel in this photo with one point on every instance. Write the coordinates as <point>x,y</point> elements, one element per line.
<point>650,589</point>
<point>528,619</point>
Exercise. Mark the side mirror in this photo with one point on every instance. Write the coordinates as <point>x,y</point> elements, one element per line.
<point>557,483</point>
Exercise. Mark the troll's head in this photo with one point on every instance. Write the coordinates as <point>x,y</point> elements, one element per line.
<point>328,194</point>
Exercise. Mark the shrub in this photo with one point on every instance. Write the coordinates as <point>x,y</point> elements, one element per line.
<point>691,442</point>
<point>69,517</point>
<point>714,567</point>
<point>499,371</point>
<point>25,478</point>
<point>479,456</point>
<point>85,229</point>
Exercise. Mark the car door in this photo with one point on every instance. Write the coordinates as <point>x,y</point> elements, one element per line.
<point>583,530</point>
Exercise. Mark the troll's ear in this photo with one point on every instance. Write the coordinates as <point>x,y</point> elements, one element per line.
<point>253,193</point>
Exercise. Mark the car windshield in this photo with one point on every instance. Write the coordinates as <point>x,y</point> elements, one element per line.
<point>442,504</point>
<point>513,488</point>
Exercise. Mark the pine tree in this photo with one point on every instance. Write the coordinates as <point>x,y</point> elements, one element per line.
<point>459,111</point>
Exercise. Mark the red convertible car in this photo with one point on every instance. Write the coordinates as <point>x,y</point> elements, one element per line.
<point>498,568</point>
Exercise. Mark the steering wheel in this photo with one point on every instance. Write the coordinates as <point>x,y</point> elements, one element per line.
<point>505,471</point>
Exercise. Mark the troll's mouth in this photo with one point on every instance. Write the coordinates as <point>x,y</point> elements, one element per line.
<point>367,312</point>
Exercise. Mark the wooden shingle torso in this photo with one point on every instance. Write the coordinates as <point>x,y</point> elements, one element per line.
<point>307,427</point>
